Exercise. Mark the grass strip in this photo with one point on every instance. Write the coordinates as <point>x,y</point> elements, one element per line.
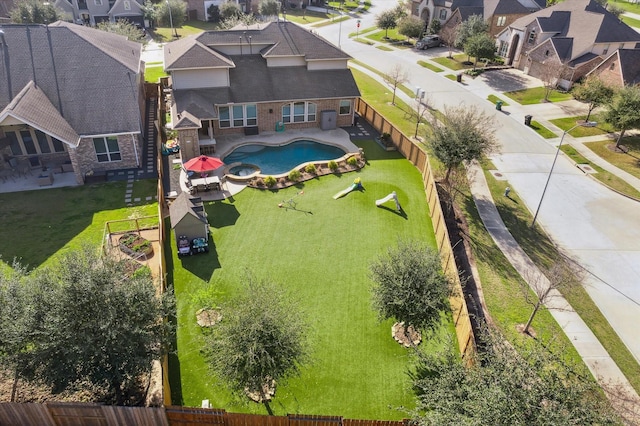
<point>542,251</point>
<point>535,95</point>
<point>627,160</point>
<point>607,178</point>
<point>567,123</point>
<point>542,131</point>
<point>429,66</point>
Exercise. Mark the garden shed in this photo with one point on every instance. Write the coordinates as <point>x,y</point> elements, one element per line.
<point>188,217</point>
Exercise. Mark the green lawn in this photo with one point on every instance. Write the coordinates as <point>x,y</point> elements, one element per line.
<point>164,34</point>
<point>303,16</point>
<point>320,253</point>
<point>535,95</point>
<point>153,74</point>
<point>494,99</point>
<point>567,123</point>
<point>542,131</point>
<point>429,66</point>
<point>390,36</point>
<point>635,23</point>
<point>334,19</point>
<point>457,62</point>
<point>38,225</point>
<point>628,161</point>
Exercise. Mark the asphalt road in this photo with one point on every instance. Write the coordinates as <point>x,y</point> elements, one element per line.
<point>598,228</point>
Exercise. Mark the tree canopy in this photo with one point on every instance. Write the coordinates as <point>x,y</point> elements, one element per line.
<point>89,323</point>
<point>230,10</point>
<point>480,46</point>
<point>386,20</point>
<point>262,337</point>
<point>35,12</point>
<point>462,134</point>
<point>530,386</point>
<point>593,91</point>
<point>411,26</point>
<point>178,14</point>
<point>409,285</point>
<point>623,111</point>
<point>123,28</point>
<point>269,7</point>
<point>472,26</point>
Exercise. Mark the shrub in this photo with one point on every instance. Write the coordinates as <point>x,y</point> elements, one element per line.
<point>333,166</point>
<point>310,168</point>
<point>282,181</point>
<point>259,182</point>
<point>270,181</point>
<point>294,175</point>
<point>352,161</point>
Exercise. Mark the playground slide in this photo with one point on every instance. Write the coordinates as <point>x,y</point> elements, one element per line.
<point>355,185</point>
<point>393,196</point>
<point>345,192</point>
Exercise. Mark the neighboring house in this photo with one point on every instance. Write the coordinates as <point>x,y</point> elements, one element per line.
<point>497,13</point>
<point>188,217</point>
<point>92,12</point>
<point>572,37</point>
<point>268,77</point>
<point>197,9</point>
<point>70,93</point>
<point>621,68</point>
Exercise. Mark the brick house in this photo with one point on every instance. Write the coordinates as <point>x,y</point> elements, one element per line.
<point>573,37</point>
<point>70,95</point>
<point>497,13</point>
<point>264,78</point>
<point>621,68</point>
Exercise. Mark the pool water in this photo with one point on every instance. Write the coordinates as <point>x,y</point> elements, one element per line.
<point>243,170</point>
<point>274,160</point>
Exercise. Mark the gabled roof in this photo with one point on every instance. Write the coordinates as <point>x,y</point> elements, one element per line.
<point>489,8</point>
<point>253,81</point>
<point>190,53</point>
<point>31,106</point>
<point>285,39</point>
<point>584,22</point>
<point>89,76</point>
<point>185,205</point>
<point>630,65</point>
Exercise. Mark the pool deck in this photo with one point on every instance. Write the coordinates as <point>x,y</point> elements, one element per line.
<point>226,144</point>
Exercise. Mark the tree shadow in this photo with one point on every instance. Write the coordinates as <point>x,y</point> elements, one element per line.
<point>221,214</point>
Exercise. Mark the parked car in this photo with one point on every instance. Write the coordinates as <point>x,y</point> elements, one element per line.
<point>429,41</point>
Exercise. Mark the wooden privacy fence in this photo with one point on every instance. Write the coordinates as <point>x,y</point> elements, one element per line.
<point>72,414</point>
<point>413,153</point>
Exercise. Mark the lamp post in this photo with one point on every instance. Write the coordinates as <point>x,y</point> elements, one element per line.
<point>544,190</point>
<point>175,34</point>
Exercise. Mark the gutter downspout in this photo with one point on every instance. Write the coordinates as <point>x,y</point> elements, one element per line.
<point>135,150</point>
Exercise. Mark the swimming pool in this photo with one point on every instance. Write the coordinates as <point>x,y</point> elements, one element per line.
<point>274,160</point>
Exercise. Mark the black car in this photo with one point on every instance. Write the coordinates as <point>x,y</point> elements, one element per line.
<point>429,41</point>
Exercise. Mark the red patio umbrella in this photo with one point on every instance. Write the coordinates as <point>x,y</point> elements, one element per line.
<point>203,163</point>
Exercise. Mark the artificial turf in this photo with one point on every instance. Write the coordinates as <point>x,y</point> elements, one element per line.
<point>320,252</point>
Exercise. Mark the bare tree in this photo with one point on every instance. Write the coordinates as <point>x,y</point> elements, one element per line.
<point>551,73</point>
<point>449,34</point>
<point>420,109</point>
<point>396,76</point>
<point>546,287</point>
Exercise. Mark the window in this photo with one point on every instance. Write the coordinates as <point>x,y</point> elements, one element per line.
<point>15,145</point>
<point>443,13</point>
<point>546,52</point>
<point>504,46</point>
<point>532,37</point>
<point>126,4</point>
<point>107,149</point>
<point>27,141</point>
<point>612,66</point>
<point>298,112</point>
<point>58,146</point>
<point>345,107</point>
<point>606,49</point>
<point>501,21</point>
<point>238,116</point>
<point>43,142</point>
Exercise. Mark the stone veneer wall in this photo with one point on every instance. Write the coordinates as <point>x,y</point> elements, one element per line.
<point>84,158</point>
<point>610,73</point>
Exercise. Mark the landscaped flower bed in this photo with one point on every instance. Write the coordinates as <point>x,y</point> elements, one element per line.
<point>134,245</point>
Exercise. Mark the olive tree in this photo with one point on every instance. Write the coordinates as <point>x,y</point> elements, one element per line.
<point>409,285</point>
<point>593,91</point>
<point>99,325</point>
<point>623,111</point>
<point>462,134</point>
<point>507,385</point>
<point>260,341</point>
